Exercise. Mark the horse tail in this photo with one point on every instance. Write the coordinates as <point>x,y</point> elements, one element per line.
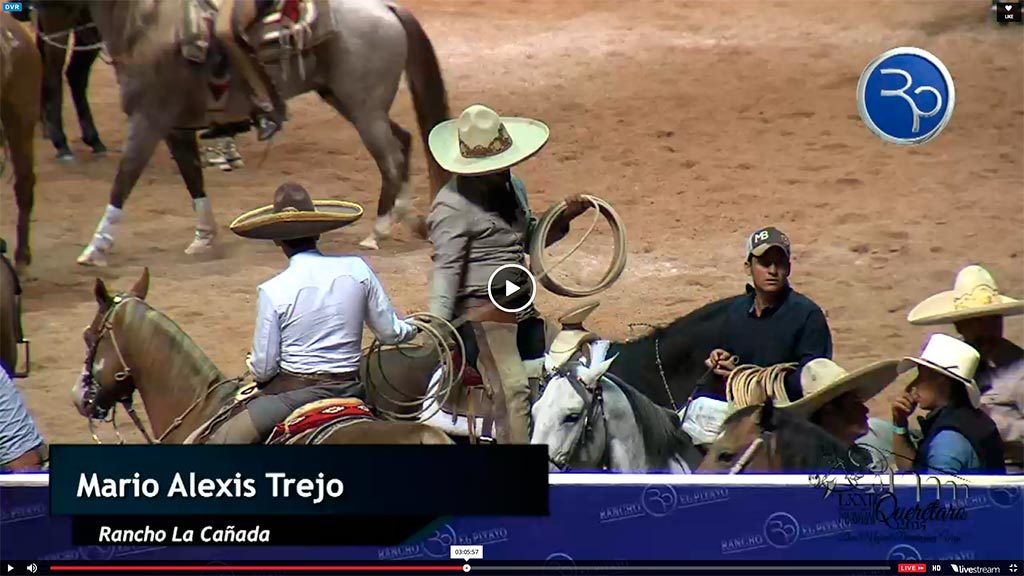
<point>429,97</point>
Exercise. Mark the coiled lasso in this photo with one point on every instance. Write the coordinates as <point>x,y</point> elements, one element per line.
<point>750,384</point>
<point>432,327</point>
<point>539,240</point>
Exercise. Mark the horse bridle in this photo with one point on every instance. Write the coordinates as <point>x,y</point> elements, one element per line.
<point>124,376</point>
<point>766,438</point>
<point>593,411</point>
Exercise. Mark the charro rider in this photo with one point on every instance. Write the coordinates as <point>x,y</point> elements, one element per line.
<point>309,320</point>
<point>773,324</point>
<point>834,399</point>
<point>976,309</point>
<point>21,445</point>
<point>957,435</point>
<point>234,17</point>
<point>480,221</point>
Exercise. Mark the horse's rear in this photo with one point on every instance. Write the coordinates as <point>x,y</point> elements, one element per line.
<point>20,81</point>
<point>8,318</point>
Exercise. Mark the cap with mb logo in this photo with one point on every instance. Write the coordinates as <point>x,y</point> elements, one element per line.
<point>759,242</point>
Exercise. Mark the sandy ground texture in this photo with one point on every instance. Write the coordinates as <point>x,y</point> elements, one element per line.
<point>698,121</point>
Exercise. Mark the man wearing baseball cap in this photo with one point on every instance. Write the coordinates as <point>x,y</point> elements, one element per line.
<point>773,324</point>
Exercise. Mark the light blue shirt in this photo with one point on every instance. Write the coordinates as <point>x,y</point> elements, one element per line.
<point>310,317</point>
<point>18,432</point>
<point>950,452</point>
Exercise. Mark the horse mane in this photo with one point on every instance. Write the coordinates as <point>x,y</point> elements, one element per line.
<point>803,446</point>
<point>683,345</point>
<point>148,325</point>
<point>660,427</point>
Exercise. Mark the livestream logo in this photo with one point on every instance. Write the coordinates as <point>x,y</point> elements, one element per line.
<point>959,569</point>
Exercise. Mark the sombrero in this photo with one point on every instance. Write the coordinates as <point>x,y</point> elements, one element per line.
<point>950,357</point>
<point>480,141</point>
<point>823,380</point>
<point>295,215</point>
<point>974,294</point>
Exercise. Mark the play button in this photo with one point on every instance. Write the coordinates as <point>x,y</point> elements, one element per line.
<point>511,288</point>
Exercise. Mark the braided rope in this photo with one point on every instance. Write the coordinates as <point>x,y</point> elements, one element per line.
<point>750,384</point>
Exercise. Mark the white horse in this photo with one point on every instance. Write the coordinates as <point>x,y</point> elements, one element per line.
<point>591,421</point>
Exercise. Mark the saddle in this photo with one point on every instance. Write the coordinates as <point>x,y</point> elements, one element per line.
<point>317,416</point>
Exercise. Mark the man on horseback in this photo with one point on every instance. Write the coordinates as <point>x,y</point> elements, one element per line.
<point>233,20</point>
<point>773,324</point>
<point>479,221</point>
<point>309,322</point>
<point>21,445</point>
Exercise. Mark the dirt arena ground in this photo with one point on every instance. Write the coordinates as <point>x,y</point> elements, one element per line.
<point>698,121</point>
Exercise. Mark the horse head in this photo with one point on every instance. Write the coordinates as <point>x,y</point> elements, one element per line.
<point>105,378</point>
<point>569,415</point>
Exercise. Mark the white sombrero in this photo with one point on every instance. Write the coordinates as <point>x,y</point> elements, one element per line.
<point>950,357</point>
<point>481,142</point>
<point>974,294</point>
<point>822,381</point>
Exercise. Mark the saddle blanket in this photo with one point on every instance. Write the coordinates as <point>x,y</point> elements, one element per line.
<point>316,414</point>
<point>704,418</point>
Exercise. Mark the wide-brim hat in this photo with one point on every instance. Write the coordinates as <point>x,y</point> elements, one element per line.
<point>974,294</point>
<point>480,141</point>
<point>950,357</point>
<point>295,215</point>
<point>823,380</point>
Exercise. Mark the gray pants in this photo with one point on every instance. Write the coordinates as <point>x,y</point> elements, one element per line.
<point>254,424</point>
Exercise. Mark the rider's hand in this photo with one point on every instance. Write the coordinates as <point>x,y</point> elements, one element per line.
<point>575,205</point>
<point>721,362</point>
<point>902,407</point>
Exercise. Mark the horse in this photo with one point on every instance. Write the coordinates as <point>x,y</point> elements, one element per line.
<point>20,78</point>
<point>765,438</point>
<point>356,69</point>
<point>131,346</point>
<point>592,421</point>
<point>54,32</point>
<point>11,334</point>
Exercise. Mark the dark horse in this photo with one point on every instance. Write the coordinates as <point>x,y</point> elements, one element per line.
<point>763,438</point>
<point>356,69</point>
<point>20,78</point>
<point>55,29</point>
<point>681,348</point>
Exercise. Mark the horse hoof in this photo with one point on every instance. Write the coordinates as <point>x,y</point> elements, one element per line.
<point>92,257</point>
<point>199,246</point>
<point>369,243</point>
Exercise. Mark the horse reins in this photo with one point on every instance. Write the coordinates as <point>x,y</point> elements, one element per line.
<point>766,437</point>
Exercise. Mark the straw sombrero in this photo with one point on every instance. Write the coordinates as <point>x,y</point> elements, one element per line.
<point>295,215</point>
<point>481,142</point>
<point>974,294</point>
<point>822,381</point>
<point>950,357</point>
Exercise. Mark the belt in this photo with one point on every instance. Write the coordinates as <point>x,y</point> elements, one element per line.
<point>483,310</point>
<point>286,381</point>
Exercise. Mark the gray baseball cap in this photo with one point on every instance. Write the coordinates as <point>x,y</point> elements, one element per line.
<point>759,242</point>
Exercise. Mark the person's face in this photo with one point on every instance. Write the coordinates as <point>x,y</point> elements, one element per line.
<point>769,271</point>
<point>930,388</point>
<point>982,330</point>
<point>846,417</point>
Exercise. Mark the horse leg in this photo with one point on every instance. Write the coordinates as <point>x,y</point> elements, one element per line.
<point>19,135</point>
<point>53,97</point>
<point>143,136</point>
<point>78,80</point>
<point>386,142</point>
<point>185,150</point>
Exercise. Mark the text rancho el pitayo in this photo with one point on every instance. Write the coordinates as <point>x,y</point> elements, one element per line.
<point>191,486</point>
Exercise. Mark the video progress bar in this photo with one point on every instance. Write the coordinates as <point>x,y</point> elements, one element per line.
<point>489,568</point>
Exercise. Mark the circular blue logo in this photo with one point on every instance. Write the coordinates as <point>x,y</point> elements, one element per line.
<point>781,530</point>
<point>906,96</point>
<point>903,553</point>
<point>659,499</point>
<point>1004,496</point>
<point>440,543</point>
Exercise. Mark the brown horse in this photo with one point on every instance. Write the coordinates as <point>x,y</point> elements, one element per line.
<point>20,78</point>
<point>764,438</point>
<point>355,61</point>
<point>131,346</point>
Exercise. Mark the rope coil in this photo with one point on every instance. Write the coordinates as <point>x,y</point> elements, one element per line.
<point>750,384</point>
<point>539,240</point>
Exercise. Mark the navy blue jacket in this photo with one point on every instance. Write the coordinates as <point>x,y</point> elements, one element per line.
<point>795,330</point>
